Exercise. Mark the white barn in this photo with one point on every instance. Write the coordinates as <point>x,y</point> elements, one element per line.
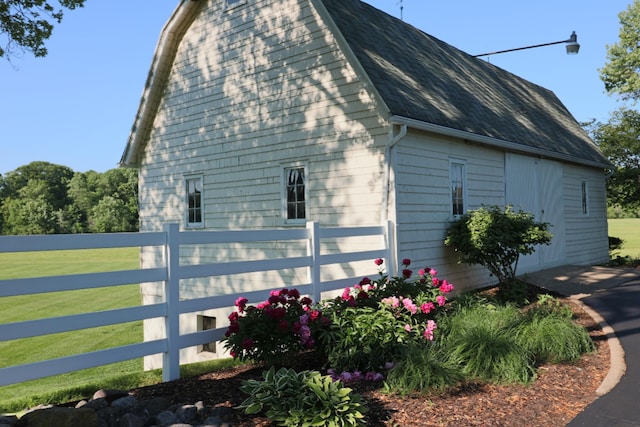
<point>271,113</point>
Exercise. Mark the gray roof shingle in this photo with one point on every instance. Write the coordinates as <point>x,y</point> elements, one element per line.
<point>422,78</point>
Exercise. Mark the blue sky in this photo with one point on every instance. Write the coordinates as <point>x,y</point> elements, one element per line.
<point>76,106</point>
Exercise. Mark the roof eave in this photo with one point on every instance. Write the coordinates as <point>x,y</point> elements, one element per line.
<point>494,142</point>
<point>163,57</point>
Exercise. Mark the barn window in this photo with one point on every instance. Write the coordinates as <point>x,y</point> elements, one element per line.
<point>194,201</point>
<point>206,323</point>
<point>584,197</point>
<point>458,187</point>
<point>295,195</point>
<point>234,3</point>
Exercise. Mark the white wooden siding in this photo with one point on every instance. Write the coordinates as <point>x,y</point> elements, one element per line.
<point>424,200</point>
<point>587,236</point>
<point>244,100</point>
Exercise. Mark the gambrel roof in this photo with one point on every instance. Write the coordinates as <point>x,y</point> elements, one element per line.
<point>426,84</point>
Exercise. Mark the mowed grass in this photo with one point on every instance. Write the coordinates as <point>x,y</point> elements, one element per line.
<point>46,305</point>
<point>628,229</point>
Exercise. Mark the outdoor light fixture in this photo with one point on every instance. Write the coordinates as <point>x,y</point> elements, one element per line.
<point>572,46</point>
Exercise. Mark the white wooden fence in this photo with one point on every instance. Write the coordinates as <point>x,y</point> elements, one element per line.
<point>171,239</point>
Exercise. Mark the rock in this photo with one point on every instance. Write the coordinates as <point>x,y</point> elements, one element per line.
<point>61,417</point>
<point>116,408</point>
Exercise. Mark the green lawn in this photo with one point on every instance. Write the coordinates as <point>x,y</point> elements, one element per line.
<point>628,229</point>
<point>20,308</point>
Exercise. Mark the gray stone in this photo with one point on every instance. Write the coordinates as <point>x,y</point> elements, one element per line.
<point>109,394</point>
<point>61,417</point>
<point>8,420</point>
<point>132,420</point>
<point>108,415</point>
<point>166,418</point>
<point>156,405</point>
<point>187,413</point>
<point>127,404</point>
<point>95,404</point>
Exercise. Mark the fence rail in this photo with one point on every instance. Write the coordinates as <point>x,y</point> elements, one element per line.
<point>170,239</point>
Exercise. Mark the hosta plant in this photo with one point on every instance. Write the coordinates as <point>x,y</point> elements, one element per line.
<point>306,398</point>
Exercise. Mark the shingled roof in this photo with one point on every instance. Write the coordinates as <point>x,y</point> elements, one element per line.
<point>427,80</point>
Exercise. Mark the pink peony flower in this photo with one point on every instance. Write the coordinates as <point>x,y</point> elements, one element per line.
<point>409,305</point>
<point>427,307</point>
<point>441,300</point>
<point>446,287</point>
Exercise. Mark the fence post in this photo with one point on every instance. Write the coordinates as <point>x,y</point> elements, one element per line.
<point>171,358</point>
<point>313,249</point>
<point>390,245</point>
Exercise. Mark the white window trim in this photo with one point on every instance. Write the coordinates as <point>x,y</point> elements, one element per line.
<point>465,189</point>
<point>584,197</point>
<point>186,201</point>
<point>283,189</point>
<point>229,5</point>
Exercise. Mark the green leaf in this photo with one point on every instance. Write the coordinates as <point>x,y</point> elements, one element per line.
<point>254,408</point>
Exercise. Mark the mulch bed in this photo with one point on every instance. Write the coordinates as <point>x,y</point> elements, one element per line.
<point>558,394</point>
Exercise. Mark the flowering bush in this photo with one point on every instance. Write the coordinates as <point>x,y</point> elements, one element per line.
<point>373,321</point>
<point>282,326</point>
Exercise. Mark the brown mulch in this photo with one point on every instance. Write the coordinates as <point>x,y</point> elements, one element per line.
<point>558,394</point>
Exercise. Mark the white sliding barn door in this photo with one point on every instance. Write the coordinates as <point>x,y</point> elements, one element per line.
<point>535,185</point>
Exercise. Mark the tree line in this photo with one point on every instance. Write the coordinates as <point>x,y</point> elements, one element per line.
<point>45,198</point>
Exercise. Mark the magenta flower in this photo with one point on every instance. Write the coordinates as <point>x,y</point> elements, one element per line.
<point>379,261</point>
<point>446,287</point>
<point>241,303</point>
<point>407,273</point>
<point>247,343</point>
<point>441,300</point>
<point>433,272</point>
<point>294,293</point>
<point>427,307</point>
<point>406,261</point>
<point>421,272</point>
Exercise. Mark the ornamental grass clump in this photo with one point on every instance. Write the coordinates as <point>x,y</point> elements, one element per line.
<point>549,334</point>
<point>480,340</point>
<point>275,330</point>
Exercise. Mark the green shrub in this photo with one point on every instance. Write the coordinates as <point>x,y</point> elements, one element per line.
<point>364,339</point>
<point>373,322</point>
<point>275,330</point>
<point>304,398</point>
<point>495,238</point>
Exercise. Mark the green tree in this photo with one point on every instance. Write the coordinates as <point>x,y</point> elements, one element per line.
<point>43,198</point>
<point>495,238</point>
<point>619,140</point>
<point>620,74</point>
<point>27,24</point>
